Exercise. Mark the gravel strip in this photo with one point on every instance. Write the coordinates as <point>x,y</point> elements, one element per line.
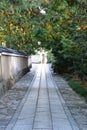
<point>75,103</point>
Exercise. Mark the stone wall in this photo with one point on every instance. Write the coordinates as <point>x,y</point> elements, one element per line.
<point>12,67</point>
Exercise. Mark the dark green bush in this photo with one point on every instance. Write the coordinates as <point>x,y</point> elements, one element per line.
<point>78,88</point>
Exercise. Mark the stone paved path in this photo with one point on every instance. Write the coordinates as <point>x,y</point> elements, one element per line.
<point>44,107</point>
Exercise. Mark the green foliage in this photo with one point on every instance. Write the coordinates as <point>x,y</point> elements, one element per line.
<point>79,88</point>
<point>20,22</point>
<point>70,39</point>
<point>50,57</point>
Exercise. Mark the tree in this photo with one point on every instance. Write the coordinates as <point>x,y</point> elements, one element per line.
<point>62,28</point>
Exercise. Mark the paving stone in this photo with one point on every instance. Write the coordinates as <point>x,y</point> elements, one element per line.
<point>23,127</point>
<point>42,124</point>
<point>25,121</point>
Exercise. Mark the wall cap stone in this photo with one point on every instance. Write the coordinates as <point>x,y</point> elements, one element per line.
<point>12,54</point>
<point>12,51</point>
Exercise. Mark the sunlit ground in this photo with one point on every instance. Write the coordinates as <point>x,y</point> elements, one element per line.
<point>40,57</point>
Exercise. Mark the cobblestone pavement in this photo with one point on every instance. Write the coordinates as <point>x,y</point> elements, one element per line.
<point>12,98</point>
<point>75,103</point>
